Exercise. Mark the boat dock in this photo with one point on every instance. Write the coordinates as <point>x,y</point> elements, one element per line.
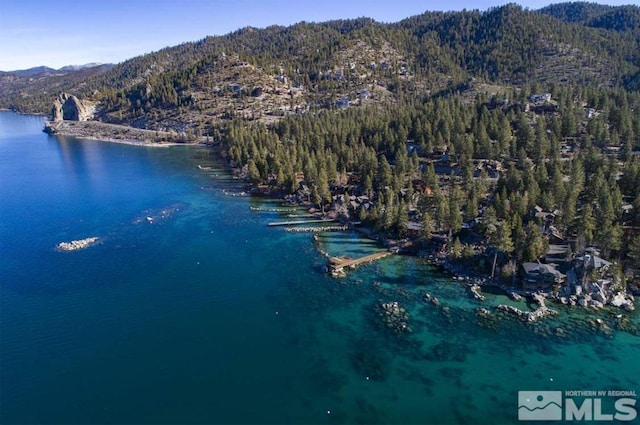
<point>264,209</point>
<point>296,222</point>
<point>317,229</point>
<point>337,265</point>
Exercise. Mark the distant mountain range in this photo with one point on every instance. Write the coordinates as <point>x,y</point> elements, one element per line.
<point>46,70</point>
<point>86,65</point>
<point>30,72</point>
<point>267,73</point>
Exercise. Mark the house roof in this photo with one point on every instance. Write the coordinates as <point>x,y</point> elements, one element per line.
<point>597,262</point>
<point>556,250</point>
<point>412,225</point>
<point>538,268</point>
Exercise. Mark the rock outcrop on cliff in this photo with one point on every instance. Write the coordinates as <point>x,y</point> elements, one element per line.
<point>70,108</point>
<point>56,111</point>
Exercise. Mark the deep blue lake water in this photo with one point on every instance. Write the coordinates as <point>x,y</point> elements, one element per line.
<point>203,314</point>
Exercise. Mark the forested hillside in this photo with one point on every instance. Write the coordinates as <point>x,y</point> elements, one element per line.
<point>310,66</point>
<point>621,19</point>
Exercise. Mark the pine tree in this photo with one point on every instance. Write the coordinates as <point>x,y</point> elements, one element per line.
<point>427,226</point>
<point>456,248</point>
<point>634,253</point>
<point>502,240</point>
<point>535,244</point>
<point>587,226</point>
<point>454,220</point>
<point>252,171</point>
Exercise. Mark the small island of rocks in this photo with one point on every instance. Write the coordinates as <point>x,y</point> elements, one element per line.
<point>77,244</point>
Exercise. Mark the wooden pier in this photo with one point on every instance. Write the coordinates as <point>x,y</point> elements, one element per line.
<point>337,265</point>
<point>296,222</point>
<point>317,229</point>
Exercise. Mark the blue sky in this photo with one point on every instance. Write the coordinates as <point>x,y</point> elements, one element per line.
<point>67,32</point>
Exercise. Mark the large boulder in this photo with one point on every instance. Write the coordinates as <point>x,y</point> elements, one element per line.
<point>70,108</point>
<point>600,296</point>
<point>622,300</point>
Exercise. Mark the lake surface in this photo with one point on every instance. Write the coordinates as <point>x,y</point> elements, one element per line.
<point>192,310</point>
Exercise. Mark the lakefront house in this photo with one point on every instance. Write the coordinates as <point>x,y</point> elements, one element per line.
<point>540,276</point>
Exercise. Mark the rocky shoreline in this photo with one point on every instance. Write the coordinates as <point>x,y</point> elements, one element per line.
<point>591,296</point>
<point>527,316</point>
<point>588,296</point>
<point>96,130</point>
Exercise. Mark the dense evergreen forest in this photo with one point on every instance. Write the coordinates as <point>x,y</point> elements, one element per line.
<point>443,162</point>
<point>517,126</point>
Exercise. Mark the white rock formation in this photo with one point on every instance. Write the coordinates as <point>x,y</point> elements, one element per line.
<point>77,244</point>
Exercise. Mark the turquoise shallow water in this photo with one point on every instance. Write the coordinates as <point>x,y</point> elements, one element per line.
<point>206,315</point>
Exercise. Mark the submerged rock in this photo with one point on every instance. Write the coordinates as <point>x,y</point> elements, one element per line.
<point>371,364</point>
<point>394,317</point>
<point>515,296</point>
<point>432,299</point>
<point>158,215</point>
<point>602,327</point>
<point>475,291</point>
<point>483,312</point>
<point>447,351</point>
<point>624,324</point>
<point>527,316</point>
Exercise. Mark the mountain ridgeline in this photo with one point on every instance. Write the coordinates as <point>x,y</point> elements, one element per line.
<point>621,18</point>
<point>571,43</point>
